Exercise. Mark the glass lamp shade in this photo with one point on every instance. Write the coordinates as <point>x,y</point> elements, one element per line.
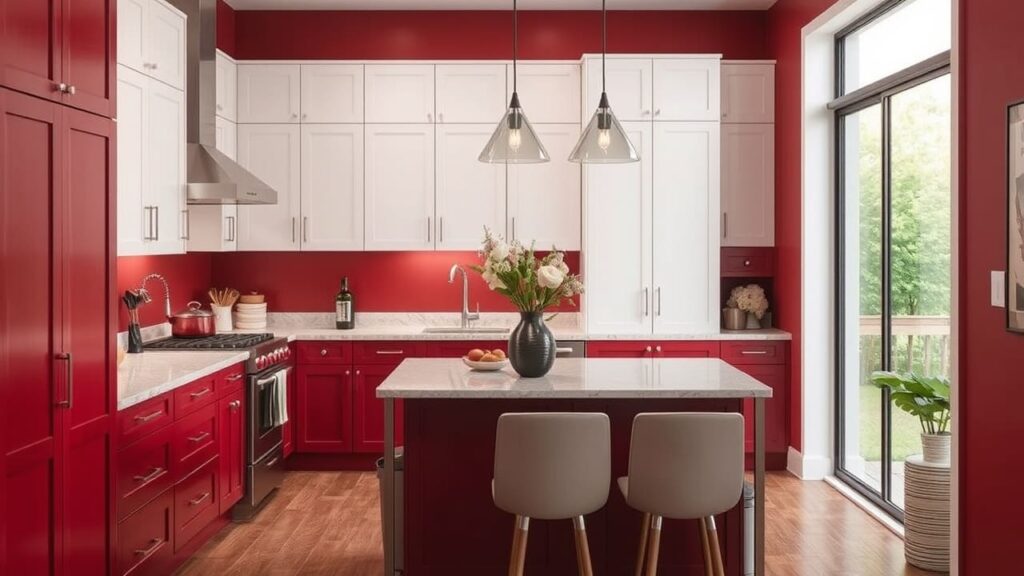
<point>514,141</point>
<point>604,141</point>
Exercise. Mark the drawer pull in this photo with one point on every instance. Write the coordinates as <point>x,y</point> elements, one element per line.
<point>746,263</point>
<point>153,545</point>
<point>153,475</point>
<point>390,352</point>
<point>323,352</point>
<point>657,349</point>
<point>754,352</point>
<point>148,417</point>
<point>199,499</point>
<point>199,438</point>
<point>235,377</point>
<point>200,394</point>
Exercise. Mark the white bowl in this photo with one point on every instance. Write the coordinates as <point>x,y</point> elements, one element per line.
<point>251,307</point>
<point>485,366</point>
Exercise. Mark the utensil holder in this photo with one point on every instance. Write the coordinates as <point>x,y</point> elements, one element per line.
<point>222,318</point>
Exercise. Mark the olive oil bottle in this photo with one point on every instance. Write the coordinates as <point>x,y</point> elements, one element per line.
<point>344,307</point>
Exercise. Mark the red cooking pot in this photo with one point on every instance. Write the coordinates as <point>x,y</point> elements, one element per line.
<point>193,322</point>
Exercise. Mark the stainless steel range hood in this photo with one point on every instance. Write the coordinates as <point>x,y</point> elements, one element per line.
<point>213,178</point>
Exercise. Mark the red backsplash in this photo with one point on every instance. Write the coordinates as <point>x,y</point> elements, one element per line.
<point>187,274</point>
<point>380,281</point>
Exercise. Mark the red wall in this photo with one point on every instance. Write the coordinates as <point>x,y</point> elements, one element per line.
<point>488,34</point>
<point>380,281</point>
<point>991,467</point>
<point>225,28</point>
<point>187,274</point>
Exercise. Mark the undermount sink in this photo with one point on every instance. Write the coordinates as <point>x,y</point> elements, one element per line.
<point>461,330</point>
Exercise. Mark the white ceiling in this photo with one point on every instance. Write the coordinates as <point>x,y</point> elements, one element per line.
<point>499,4</point>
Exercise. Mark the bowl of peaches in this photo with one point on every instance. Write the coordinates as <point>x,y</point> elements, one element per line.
<point>485,360</point>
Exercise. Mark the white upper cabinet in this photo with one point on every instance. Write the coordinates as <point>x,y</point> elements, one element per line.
<point>748,185</point>
<point>470,193</point>
<point>400,93</point>
<point>748,92</point>
<point>550,93</point>
<point>687,89</point>
<point>617,241</point>
<point>628,87</point>
<point>227,137</point>
<point>151,40</point>
<point>271,153</point>
<point>332,93</point>
<point>399,191</point>
<point>468,93</point>
<point>133,218</point>
<point>332,187</point>
<point>685,297</point>
<point>227,87</point>
<point>268,93</point>
<point>165,167</point>
<point>544,199</point>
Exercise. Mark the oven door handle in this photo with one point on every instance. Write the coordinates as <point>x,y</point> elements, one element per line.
<point>262,383</point>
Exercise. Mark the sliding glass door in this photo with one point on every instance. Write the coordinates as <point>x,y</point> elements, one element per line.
<point>893,159</point>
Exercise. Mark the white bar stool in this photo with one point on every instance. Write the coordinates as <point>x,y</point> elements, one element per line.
<point>551,466</point>
<point>684,466</point>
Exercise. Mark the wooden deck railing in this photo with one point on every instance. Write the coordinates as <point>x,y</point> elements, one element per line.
<point>920,344</point>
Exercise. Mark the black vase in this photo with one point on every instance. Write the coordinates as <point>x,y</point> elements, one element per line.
<point>531,346</point>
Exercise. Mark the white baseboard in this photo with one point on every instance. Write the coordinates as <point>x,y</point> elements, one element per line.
<point>808,467</point>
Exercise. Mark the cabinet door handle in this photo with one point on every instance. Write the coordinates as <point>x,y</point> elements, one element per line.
<point>440,233</point>
<point>230,221</point>
<point>235,405</point>
<point>185,226</point>
<point>430,118</point>
<point>648,349</point>
<point>725,224</point>
<point>147,224</point>
<point>61,87</point>
<point>147,478</point>
<point>235,377</point>
<point>199,499</point>
<point>156,218</point>
<point>657,112</point>
<point>754,352</point>
<point>305,228</point>
<point>69,380</point>
<point>199,438</point>
<point>657,302</point>
<point>357,372</point>
<point>199,394</point>
<point>153,545</point>
<point>293,230</point>
<point>392,352</point>
<point>428,229</point>
<point>647,303</point>
<point>148,417</point>
<point>513,228</point>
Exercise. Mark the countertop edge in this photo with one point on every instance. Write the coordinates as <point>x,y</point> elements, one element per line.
<point>327,335</point>
<point>179,380</point>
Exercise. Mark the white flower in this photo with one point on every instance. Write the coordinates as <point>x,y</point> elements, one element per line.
<point>550,276</point>
<point>493,282</point>
<point>499,251</point>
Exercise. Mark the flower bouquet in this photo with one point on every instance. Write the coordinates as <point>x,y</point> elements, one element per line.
<point>745,308</point>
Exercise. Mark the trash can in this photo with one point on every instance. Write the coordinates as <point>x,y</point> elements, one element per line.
<point>399,504</point>
<point>748,529</point>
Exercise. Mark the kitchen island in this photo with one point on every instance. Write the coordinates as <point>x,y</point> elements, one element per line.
<point>449,415</point>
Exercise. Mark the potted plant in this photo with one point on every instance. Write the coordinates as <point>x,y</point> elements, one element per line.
<point>745,308</point>
<point>927,398</point>
<point>533,285</point>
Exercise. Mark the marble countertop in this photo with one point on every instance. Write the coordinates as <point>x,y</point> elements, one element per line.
<point>575,378</point>
<point>150,374</point>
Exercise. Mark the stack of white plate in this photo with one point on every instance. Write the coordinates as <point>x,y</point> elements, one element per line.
<point>926,520</point>
<point>251,316</point>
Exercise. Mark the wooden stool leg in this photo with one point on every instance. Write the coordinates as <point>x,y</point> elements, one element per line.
<point>654,545</point>
<point>642,547</point>
<point>519,538</point>
<point>716,551</point>
<point>582,547</point>
<point>705,547</point>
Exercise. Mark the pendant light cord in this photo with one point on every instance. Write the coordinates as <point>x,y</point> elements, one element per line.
<point>515,42</point>
<point>604,41</point>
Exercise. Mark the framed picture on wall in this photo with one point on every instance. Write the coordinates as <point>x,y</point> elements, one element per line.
<point>1015,218</point>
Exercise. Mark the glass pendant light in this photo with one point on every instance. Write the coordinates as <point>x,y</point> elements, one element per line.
<point>604,141</point>
<point>514,141</point>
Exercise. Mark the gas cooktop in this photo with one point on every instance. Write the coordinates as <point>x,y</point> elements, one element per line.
<point>218,342</point>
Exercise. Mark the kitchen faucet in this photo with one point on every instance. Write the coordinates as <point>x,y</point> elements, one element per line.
<point>467,316</point>
<point>146,297</point>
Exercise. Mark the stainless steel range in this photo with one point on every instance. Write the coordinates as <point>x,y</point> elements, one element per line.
<point>266,370</point>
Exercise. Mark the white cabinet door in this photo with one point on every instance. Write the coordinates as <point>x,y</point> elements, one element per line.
<point>748,93</point>
<point>165,167</point>
<point>470,193</point>
<point>399,93</point>
<point>470,93</point>
<point>227,137</point>
<point>132,208</point>
<point>687,89</point>
<point>399,212</point>
<point>550,93</point>
<point>165,44</point>
<point>332,187</point>
<point>685,238</point>
<point>268,93</point>
<point>131,36</point>
<point>271,153</point>
<point>628,87</point>
<point>748,185</point>
<point>617,241</point>
<point>544,199</point>
<point>227,87</point>
<point>332,93</point>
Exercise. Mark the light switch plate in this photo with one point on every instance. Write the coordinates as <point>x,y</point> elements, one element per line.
<point>999,288</point>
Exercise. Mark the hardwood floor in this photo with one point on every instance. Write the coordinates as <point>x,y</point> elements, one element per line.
<point>328,523</point>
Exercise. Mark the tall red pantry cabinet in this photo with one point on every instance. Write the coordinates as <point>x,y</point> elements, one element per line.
<point>57,307</point>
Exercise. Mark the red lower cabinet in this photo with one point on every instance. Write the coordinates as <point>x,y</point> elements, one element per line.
<point>324,418</point>
<point>369,410</point>
<point>231,411</point>
<point>653,349</point>
<point>145,539</point>
<point>773,375</point>
<point>196,503</point>
<point>144,470</point>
